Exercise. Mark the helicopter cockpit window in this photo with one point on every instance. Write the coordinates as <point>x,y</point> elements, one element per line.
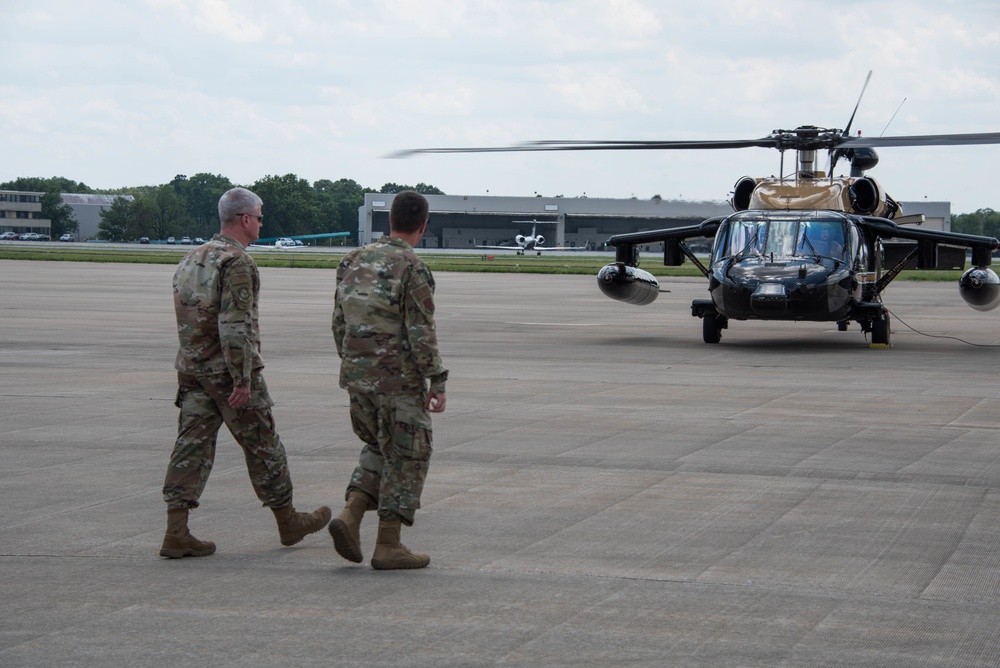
<point>781,238</point>
<point>821,238</point>
<point>745,237</point>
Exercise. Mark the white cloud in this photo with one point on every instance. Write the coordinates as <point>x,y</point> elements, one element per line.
<point>113,91</point>
<point>216,17</point>
<point>595,92</point>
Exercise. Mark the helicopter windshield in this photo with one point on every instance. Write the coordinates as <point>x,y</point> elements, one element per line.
<point>746,237</point>
<point>821,237</point>
<point>783,237</point>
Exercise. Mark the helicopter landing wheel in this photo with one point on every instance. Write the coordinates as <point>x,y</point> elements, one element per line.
<point>712,326</point>
<point>881,331</point>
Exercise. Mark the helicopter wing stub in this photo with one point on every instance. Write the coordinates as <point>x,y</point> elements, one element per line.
<point>930,241</point>
<point>888,229</point>
<point>706,229</point>
<point>674,250</point>
<point>979,286</point>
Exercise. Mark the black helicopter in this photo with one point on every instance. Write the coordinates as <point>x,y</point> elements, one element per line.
<point>809,247</point>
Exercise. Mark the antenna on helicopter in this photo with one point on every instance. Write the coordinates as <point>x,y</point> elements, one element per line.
<point>893,116</point>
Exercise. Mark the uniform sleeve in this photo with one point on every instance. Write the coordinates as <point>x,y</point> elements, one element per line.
<point>418,323</point>
<point>339,322</point>
<point>236,316</point>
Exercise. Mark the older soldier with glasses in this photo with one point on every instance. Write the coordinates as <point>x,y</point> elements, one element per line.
<point>219,379</point>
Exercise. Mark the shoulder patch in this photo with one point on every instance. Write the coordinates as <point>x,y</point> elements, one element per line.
<point>242,287</point>
<point>244,298</point>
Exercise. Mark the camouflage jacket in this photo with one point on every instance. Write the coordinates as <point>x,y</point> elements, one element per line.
<point>216,287</point>
<point>383,321</point>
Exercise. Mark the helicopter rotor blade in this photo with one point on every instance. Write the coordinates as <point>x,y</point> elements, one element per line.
<point>598,145</point>
<point>969,139</point>
<point>406,153</point>
<point>602,145</point>
<point>847,130</point>
<point>800,139</point>
<point>835,155</point>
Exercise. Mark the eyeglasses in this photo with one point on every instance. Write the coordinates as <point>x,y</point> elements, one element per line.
<point>259,218</point>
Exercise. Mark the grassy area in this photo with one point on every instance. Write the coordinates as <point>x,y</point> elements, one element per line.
<point>473,262</point>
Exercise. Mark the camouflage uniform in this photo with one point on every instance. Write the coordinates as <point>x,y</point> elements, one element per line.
<point>216,288</point>
<point>383,325</point>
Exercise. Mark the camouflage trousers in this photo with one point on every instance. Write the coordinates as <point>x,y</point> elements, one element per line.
<point>396,430</point>
<point>204,404</point>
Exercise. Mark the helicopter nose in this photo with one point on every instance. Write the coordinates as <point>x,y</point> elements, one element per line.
<point>769,299</point>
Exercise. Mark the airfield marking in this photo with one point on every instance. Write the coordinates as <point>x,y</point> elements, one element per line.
<point>560,324</point>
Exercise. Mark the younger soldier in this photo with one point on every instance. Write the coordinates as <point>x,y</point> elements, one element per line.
<point>219,376</point>
<point>383,325</point>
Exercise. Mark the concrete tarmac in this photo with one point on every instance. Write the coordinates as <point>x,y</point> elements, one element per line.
<point>605,488</point>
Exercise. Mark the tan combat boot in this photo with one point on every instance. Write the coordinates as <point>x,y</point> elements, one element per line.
<point>345,528</point>
<point>294,526</point>
<point>178,541</point>
<point>390,553</point>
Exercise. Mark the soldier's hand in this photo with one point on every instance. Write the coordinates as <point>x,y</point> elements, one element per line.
<point>239,396</point>
<point>435,402</point>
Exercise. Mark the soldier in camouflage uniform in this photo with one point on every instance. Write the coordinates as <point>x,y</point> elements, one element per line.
<point>219,378</point>
<point>383,325</point>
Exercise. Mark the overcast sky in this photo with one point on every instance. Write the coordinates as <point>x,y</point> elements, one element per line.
<point>131,93</point>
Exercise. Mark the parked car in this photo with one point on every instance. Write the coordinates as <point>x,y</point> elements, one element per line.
<point>28,236</point>
<point>67,237</point>
<point>144,240</point>
<point>171,240</point>
<point>8,235</point>
<point>186,240</point>
<point>199,240</point>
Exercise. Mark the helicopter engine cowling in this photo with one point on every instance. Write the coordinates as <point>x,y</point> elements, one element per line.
<point>742,192</point>
<point>628,284</point>
<point>539,240</point>
<point>865,195</point>
<point>980,288</point>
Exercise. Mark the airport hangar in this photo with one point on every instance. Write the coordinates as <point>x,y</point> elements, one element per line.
<point>462,222</point>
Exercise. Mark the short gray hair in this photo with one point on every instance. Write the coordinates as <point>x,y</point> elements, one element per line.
<point>236,201</point>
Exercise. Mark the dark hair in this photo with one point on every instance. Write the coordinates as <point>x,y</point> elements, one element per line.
<point>408,212</point>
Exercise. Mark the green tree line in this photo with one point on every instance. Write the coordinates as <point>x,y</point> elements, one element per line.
<point>985,222</point>
<point>293,206</point>
<point>189,205</point>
